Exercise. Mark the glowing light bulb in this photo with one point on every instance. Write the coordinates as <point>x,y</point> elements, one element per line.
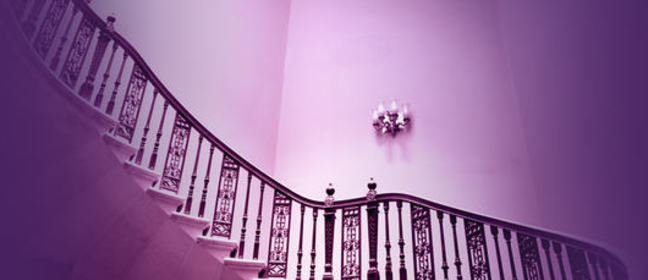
<point>381,108</point>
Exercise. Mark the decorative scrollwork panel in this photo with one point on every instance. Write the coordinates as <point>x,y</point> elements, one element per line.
<point>132,104</point>
<point>53,18</point>
<point>422,243</point>
<point>477,250</point>
<point>78,51</point>
<point>224,209</point>
<point>176,155</point>
<point>279,236</point>
<point>578,264</point>
<point>351,238</point>
<point>530,257</point>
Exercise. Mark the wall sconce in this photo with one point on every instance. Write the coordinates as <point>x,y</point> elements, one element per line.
<point>391,121</point>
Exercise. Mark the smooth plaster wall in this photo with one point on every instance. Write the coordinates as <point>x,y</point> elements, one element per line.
<point>222,59</point>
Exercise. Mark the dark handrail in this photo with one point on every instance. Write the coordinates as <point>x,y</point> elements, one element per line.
<point>361,201</point>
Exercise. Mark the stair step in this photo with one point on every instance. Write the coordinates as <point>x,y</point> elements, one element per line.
<point>122,150</point>
<point>144,177</point>
<point>168,202</point>
<point>192,225</point>
<point>219,247</point>
<point>246,268</point>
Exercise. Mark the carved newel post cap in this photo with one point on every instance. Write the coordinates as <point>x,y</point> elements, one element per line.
<point>330,191</point>
<point>110,23</point>
<point>371,195</point>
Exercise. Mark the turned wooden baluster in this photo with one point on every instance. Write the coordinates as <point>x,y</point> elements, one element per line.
<point>29,26</point>
<point>194,175</point>
<point>257,233</point>
<point>158,136</point>
<point>59,51</point>
<point>457,262</point>
<point>593,261</point>
<point>558,251</point>
<point>113,97</point>
<point>300,253</point>
<point>495,233</point>
<point>402,272</point>
<point>245,217</point>
<point>507,237</point>
<point>372,221</point>
<point>329,231</point>
<point>147,128</point>
<point>313,253</point>
<point>100,94</point>
<point>100,49</point>
<point>546,247</point>
<point>203,195</point>
<point>444,262</point>
<point>388,261</point>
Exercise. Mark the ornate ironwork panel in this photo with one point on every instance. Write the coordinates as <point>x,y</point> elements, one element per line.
<point>530,257</point>
<point>224,209</point>
<point>351,238</point>
<point>578,264</point>
<point>53,18</point>
<point>78,51</point>
<point>175,159</point>
<point>132,104</point>
<point>477,250</point>
<point>279,236</point>
<point>422,243</point>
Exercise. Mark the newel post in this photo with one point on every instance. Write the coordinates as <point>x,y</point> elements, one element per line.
<point>372,220</point>
<point>329,229</point>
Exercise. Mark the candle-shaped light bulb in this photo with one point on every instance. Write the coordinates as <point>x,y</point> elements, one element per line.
<point>381,108</point>
<point>375,115</point>
<point>405,111</point>
<point>393,106</point>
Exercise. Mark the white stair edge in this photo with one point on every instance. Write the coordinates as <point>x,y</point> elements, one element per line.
<point>219,247</point>
<point>122,150</point>
<point>144,177</point>
<point>192,225</point>
<point>246,268</point>
<point>168,201</point>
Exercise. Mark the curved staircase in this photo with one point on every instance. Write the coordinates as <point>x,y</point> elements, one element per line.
<point>236,221</point>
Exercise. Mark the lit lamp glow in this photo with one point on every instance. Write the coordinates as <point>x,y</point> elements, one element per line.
<point>391,121</point>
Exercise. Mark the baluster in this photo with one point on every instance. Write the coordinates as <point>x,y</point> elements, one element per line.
<point>176,155</point>
<point>113,97</point>
<point>402,272</point>
<point>29,26</point>
<point>558,252</point>
<point>605,269</point>
<point>100,49</point>
<point>578,263</point>
<point>194,175</point>
<point>594,264</point>
<point>388,261</point>
<point>546,247</point>
<point>372,221</point>
<point>457,262</point>
<point>529,256</point>
<point>203,195</point>
<point>279,240</point>
<point>49,27</point>
<point>495,233</point>
<point>444,263</point>
<point>422,243</point>
<point>300,253</point>
<point>507,238</point>
<point>477,250</point>
<point>226,198</point>
<point>351,238</point>
<point>313,252</point>
<point>257,233</point>
<point>147,127</point>
<point>329,231</point>
<point>59,51</point>
<point>100,95</point>
<point>245,216</point>
<point>78,51</point>
<point>132,104</point>
<point>158,136</point>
